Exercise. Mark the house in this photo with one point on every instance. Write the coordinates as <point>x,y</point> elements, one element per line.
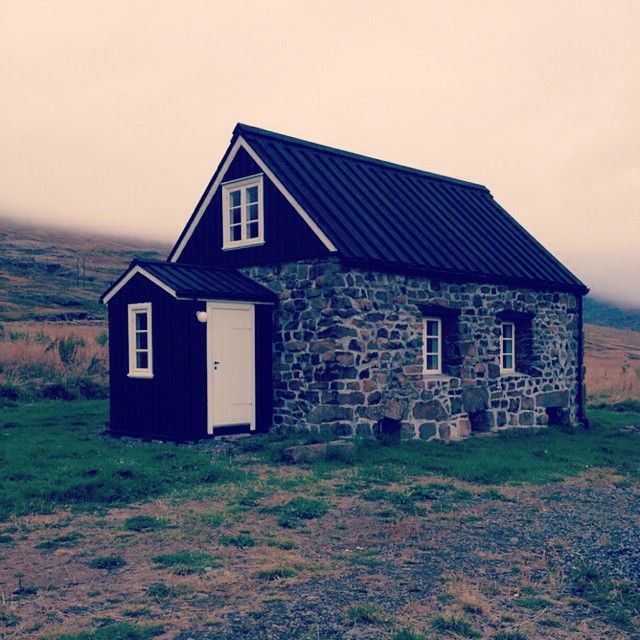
<point>317,288</point>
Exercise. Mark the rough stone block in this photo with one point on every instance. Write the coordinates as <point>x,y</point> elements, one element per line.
<point>526,418</point>
<point>427,430</point>
<point>432,410</point>
<point>329,413</point>
<point>475,399</point>
<point>553,399</point>
<point>481,421</point>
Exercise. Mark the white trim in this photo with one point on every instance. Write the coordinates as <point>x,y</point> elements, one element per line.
<point>242,186</point>
<point>137,269</point>
<point>240,142</point>
<point>438,371</point>
<point>512,353</point>
<point>134,370</point>
<point>211,306</point>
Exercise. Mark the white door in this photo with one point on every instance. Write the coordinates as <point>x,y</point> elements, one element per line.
<point>230,365</point>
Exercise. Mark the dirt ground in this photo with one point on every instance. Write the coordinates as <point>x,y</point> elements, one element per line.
<point>500,560</point>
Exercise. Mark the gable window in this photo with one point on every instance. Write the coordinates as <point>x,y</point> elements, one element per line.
<point>242,213</point>
<point>140,341</point>
<point>508,347</point>
<point>432,345</point>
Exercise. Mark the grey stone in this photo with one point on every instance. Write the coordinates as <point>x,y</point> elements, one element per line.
<point>475,399</point>
<point>427,430</point>
<point>329,413</point>
<point>553,399</point>
<point>432,410</point>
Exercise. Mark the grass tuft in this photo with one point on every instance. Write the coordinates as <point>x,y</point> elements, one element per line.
<point>366,614</point>
<point>301,508</point>
<point>455,625</point>
<point>108,563</point>
<point>276,573</point>
<point>115,631</point>
<point>186,562</point>
<point>143,523</point>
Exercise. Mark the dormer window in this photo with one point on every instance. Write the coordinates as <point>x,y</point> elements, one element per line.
<point>242,213</point>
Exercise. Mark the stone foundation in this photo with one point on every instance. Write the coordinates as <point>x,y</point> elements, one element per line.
<point>348,353</point>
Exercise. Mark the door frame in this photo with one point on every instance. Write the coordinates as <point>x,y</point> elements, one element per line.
<point>212,306</point>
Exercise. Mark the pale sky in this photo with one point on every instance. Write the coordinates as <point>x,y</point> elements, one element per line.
<point>114,114</point>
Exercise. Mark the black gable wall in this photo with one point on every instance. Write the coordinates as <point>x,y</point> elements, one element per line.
<point>287,235</point>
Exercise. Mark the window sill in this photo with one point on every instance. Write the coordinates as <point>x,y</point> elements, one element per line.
<point>513,374</point>
<point>146,376</point>
<point>242,245</point>
<point>435,377</point>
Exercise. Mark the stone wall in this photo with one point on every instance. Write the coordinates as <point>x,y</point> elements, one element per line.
<point>348,353</point>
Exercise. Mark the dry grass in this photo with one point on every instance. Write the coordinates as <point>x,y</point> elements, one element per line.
<point>29,352</point>
<point>612,358</point>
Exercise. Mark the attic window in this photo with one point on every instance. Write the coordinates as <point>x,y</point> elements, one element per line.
<point>242,213</point>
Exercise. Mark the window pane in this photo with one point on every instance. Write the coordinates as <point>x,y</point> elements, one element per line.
<point>507,346</point>
<point>142,360</point>
<point>141,340</point>
<point>252,212</point>
<point>507,362</point>
<point>432,327</point>
<point>236,233</point>
<point>234,198</point>
<point>507,330</point>
<point>432,363</point>
<point>252,230</point>
<point>432,345</point>
<point>235,216</point>
<point>252,194</point>
<point>141,320</point>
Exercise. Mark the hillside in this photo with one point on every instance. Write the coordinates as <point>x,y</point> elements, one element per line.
<point>53,275</point>
<point>49,274</point>
<point>609,315</point>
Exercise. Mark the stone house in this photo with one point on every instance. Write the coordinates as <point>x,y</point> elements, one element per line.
<point>317,288</point>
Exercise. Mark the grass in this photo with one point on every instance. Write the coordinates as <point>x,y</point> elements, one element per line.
<point>61,542</point>
<point>241,541</point>
<point>301,508</point>
<point>117,631</point>
<point>618,601</point>
<point>143,523</point>
<point>81,469</point>
<point>162,591</point>
<point>366,614</point>
<point>276,573</point>
<point>407,634</point>
<point>186,562</point>
<point>108,563</point>
<point>455,625</point>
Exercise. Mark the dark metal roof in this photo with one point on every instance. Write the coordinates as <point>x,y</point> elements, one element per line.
<point>384,214</point>
<point>195,281</point>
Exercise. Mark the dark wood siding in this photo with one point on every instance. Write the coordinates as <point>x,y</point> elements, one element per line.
<point>287,236</point>
<point>173,404</point>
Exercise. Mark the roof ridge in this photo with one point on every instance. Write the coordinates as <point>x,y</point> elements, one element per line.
<point>240,127</point>
<point>188,265</point>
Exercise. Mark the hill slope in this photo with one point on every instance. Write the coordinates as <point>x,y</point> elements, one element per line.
<point>608,315</point>
<point>54,274</point>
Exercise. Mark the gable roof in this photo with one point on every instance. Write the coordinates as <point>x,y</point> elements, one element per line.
<point>189,281</point>
<point>388,216</point>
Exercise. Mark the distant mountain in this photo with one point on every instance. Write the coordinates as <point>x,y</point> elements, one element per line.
<point>56,274</point>
<point>609,315</point>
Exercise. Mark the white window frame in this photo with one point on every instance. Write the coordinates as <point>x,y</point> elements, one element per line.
<point>431,372</point>
<point>134,370</point>
<point>511,353</point>
<point>242,185</point>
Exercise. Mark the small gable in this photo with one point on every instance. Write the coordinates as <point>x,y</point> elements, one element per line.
<point>283,234</point>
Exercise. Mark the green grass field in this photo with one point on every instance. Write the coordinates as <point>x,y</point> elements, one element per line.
<point>54,454</point>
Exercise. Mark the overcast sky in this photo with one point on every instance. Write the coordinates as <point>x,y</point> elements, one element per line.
<point>114,114</point>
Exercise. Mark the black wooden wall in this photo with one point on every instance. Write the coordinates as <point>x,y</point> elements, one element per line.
<point>287,236</point>
<point>173,404</point>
